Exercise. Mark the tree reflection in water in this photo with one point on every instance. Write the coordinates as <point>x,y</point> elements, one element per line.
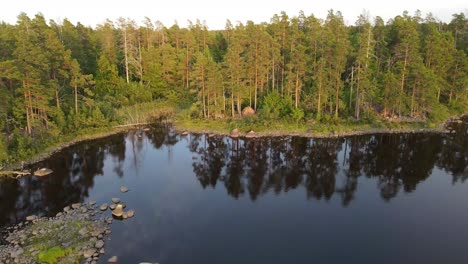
<point>323,167</point>
<point>398,162</point>
<point>74,171</point>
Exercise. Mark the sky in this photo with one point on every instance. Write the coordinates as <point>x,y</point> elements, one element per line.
<point>216,12</point>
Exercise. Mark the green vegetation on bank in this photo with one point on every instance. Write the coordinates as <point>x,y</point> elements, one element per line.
<point>301,74</point>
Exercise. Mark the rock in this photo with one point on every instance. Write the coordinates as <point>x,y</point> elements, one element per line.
<point>184,133</point>
<point>30,218</point>
<point>91,203</point>
<point>89,252</point>
<point>124,215</point>
<point>116,200</point>
<point>123,205</point>
<point>103,207</point>
<point>43,172</point>
<point>118,211</point>
<point>84,210</point>
<point>130,213</point>
<point>248,111</point>
<point>234,133</point>
<point>112,206</point>
<point>251,134</point>
<point>102,251</point>
<point>76,205</point>
<point>99,244</point>
<point>113,259</point>
<point>123,189</point>
<point>83,231</point>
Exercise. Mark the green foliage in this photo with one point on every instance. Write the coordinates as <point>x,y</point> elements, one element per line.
<point>52,255</point>
<point>59,80</point>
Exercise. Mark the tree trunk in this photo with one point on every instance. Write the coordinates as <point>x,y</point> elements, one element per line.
<point>403,81</point>
<point>76,99</point>
<point>126,55</point>
<point>297,89</point>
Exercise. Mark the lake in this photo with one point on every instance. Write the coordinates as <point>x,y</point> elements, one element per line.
<point>384,198</point>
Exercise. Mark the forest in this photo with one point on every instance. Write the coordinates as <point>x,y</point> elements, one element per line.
<point>59,79</point>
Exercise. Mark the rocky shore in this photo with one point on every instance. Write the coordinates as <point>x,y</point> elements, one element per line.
<point>78,234</point>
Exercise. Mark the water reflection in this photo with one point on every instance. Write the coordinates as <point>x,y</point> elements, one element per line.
<point>74,171</point>
<point>324,168</point>
<point>327,167</point>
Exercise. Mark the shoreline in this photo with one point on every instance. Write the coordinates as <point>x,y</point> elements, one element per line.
<point>180,126</point>
<point>311,134</point>
<point>47,153</point>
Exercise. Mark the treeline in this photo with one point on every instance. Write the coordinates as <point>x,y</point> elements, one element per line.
<point>57,78</point>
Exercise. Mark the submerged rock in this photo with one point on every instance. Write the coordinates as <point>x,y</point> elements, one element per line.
<point>113,259</point>
<point>123,189</point>
<point>116,200</point>
<point>130,213</point>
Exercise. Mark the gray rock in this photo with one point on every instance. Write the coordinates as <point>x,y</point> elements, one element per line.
<point>99,244</point>
<point>89,252</point>
<point>112,206</point>
<point>123,189</point>
<point>76,205</point>
<point>91,203</point>
<point>113,259</point>
<point>103,207</point>
<point>102,251</point>
<point>30,218</point>
<point>116,200</point>
<point>83,231</point>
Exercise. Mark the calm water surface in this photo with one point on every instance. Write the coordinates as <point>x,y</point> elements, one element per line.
<point>199,199</point>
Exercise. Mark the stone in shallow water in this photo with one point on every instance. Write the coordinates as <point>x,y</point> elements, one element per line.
<point>116,200</point>
<point>130,213</point>
<point>103,207</point>
<point>113,259</point>
<point>123,189</point>
<point>76,205</point>
<point>112,206</point>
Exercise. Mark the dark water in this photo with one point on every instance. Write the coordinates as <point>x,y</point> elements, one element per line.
<point>364,199</point>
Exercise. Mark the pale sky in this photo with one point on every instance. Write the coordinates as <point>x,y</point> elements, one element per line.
<point>215,13</point>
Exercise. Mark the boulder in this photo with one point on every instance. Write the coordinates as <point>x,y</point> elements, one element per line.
<point>42,172</point>
<point>235,133</point>
<point>251,134</point>
<point>248,111</point>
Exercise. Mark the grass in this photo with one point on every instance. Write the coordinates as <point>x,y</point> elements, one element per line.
<point>285,127</point>
<point>52,255</point>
